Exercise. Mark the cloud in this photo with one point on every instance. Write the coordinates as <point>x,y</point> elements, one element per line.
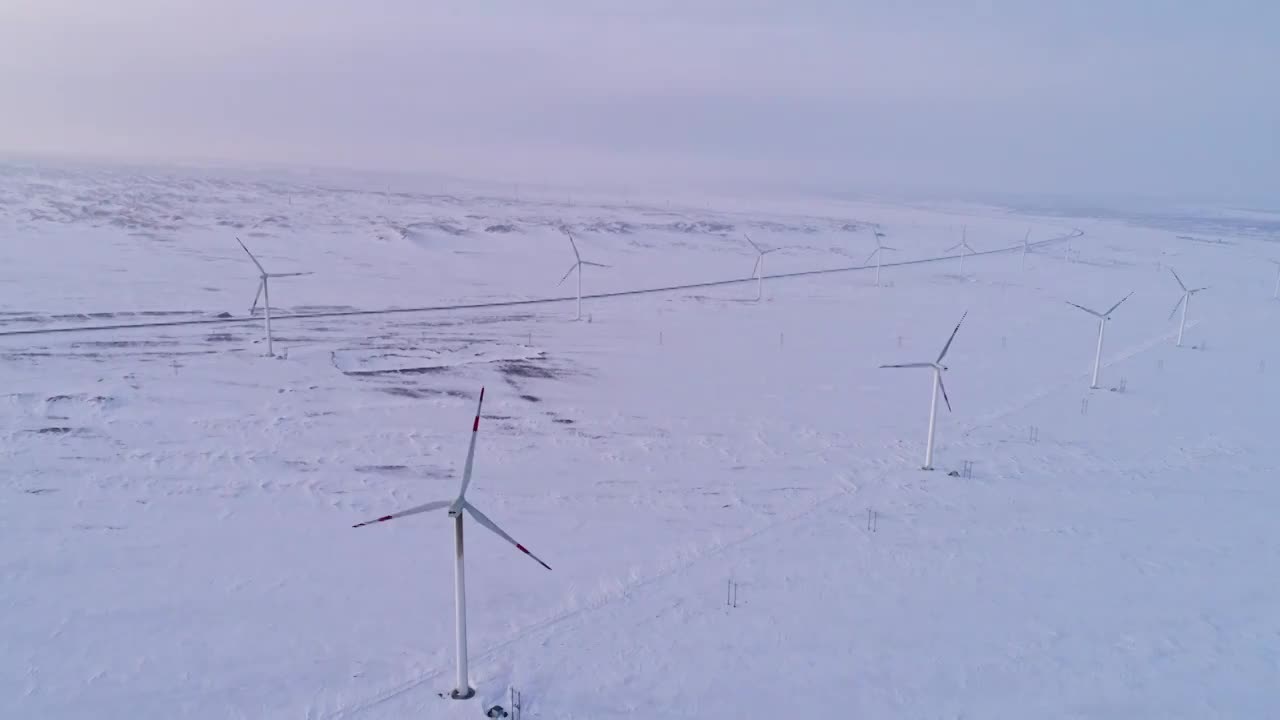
<point>1052,97</point>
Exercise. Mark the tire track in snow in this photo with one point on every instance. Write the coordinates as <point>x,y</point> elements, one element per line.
<point>1045,391</point>
<point>847,489</point>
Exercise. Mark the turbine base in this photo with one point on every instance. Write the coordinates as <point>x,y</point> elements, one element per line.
<point>466,694</point>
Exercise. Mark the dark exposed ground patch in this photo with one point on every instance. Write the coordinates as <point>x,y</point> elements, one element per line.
<point>426,370</point>
<point>40,491</point>
<point>562,421</point>
<point>419,393</point>
<point>381,468</point>
<point>52,430</point>
<point>531,398</point>
<point>527,369</point>
<point>481,320</point>
<point>93,399</point>
<point>123,343</point>
<point>23,318</point>
<point>220,337</point>
<point>324,308</point>
<point>496,417</point>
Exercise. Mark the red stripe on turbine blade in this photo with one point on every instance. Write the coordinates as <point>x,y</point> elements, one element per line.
<point>384,518</point>
<point>525,550</point>
<point>476,426</point>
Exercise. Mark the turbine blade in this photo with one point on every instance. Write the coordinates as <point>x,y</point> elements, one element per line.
<point>485,521</point>
<point>909,365</point>
<point>1177,305</point>
<point>753,243</point>
<point>1199,289</point>
<point>872,255</point>
<point>254,307</point>
<point>567,274</point>
<point>471,449</point>
<point>947,347</point>
<point>1175,277</point>
<point>411,511</point>
<point>957,246</point>
<point>294,274</point>
<point>755,269</point>
<point>1091,312</point>
<point>594,264</point>
<point>886,247</point>
<point>572,244</point>
<point>943,387</point>
<point>251,257</point>
<point>1113,307</point>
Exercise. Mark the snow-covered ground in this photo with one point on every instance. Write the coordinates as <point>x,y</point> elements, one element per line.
<point>175,508</point>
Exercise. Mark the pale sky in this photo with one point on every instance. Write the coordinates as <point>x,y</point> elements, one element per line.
<point>1125,97</point>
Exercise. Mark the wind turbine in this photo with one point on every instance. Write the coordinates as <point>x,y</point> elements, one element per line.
<point>1275,294</point>
<point>962,246</point>
<point>758,271</point>
<point>264,291</point>
<point>578,262</point>
<point>938,368</point>
<point>1102,326</point>
<point>1026,245</point>
<point>878,251</point>
<point>1185,302</point>
<point>462,689</point>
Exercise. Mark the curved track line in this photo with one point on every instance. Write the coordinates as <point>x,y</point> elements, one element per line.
<point>1075,233</point>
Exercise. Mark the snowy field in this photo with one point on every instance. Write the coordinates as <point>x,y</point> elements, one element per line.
<point>176,508</point>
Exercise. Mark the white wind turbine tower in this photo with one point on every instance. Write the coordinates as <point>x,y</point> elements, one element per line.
<point>938,368</point>
<point>264,291</point>
<point>578,262</point>
<point>1103,318</point>
<point>878,252</point>
<point>1275,294</point>
<point>758,271</point>
<point>462,689</point>
<point>1185,302</point>
<point>1026,245</point>
<point>963,246</point>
